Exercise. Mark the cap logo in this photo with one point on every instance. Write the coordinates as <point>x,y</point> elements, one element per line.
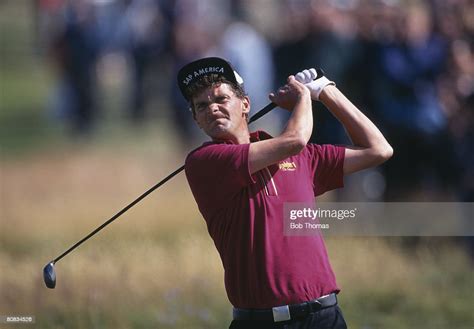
<point>192,72</point>
<point>203,71</point>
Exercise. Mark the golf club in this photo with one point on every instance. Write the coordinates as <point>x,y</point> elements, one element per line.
<point>49,273</point>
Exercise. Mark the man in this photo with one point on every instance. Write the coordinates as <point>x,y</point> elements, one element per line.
<point>240,185</point>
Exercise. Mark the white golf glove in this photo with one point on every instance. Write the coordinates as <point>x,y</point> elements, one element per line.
<point>314,80</point>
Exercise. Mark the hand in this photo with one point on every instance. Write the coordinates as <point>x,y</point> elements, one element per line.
<point>290,94</point>
<point>314,80</point>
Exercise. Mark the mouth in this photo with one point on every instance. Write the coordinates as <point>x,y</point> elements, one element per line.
<point>217,120</point>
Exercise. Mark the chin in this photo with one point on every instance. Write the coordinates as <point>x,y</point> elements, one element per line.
<point>220,132</point>
<point>219,129</point>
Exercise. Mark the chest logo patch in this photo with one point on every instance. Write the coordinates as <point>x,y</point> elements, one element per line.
<point>287,166</point>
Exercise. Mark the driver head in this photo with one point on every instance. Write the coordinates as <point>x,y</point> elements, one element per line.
<point>49,275</point>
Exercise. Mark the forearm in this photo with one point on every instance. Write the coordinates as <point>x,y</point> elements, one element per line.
<point>362,132</point>
<point>300,124</point>
<point>296,134</point>
<point>370,146</point>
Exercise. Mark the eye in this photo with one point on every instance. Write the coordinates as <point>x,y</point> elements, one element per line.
<point>222,99</point>
<point>200,107</point>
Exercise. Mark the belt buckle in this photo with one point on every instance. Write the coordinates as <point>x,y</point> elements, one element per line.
<point>315,305</point>
<point>281,313</point>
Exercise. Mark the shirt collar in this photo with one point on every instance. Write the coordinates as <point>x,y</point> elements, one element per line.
<point>259,135</point>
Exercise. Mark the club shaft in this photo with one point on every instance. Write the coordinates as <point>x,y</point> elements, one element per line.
<point>255,117</point>
<point>262,112</point>
<point>120,213</point>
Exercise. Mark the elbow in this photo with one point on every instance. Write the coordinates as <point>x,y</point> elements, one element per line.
<point>387,153</point>
<point>297,143</point>
<point>384,153</point>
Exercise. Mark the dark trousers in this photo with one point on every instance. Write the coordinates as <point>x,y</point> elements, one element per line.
<point>328,318</point>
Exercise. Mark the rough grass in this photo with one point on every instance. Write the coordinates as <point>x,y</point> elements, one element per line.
<point>157,267</point>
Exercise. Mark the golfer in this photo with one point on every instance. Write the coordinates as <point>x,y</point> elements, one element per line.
<point>241,181</point>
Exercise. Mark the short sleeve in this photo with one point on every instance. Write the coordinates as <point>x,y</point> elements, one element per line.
<point>327,167</point>
<point>216,173</point>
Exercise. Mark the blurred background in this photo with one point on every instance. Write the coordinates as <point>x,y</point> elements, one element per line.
<point>90,117</point>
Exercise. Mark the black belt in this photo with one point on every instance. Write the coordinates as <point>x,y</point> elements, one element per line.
<point>286,312</point>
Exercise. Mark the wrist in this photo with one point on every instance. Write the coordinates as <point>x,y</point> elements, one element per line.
<point>319,86</point>
<point>328,93</point>
<point>305,94</point>
<point>304,98</point>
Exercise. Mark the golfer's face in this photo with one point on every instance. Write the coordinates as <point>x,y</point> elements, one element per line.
<point>219,112</point>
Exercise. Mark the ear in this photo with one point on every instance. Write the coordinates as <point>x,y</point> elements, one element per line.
<point>246,105</point>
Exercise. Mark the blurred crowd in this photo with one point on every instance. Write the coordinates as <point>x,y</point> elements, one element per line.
<point>408,64</point>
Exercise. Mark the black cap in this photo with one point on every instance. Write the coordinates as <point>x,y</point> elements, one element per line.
<point>193,71</point>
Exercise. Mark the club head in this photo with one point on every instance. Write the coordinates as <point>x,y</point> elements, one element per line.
<point>49,275</point>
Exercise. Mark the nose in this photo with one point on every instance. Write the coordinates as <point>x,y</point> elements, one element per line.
<point>214,107</point>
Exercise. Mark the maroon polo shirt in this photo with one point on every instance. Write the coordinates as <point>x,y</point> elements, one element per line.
<point>244,215</point>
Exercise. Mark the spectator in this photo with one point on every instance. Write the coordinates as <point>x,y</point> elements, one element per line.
<point>145,31</point>
<point>75,50</point>
<point>406,97</point>
<point>251,54</point>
